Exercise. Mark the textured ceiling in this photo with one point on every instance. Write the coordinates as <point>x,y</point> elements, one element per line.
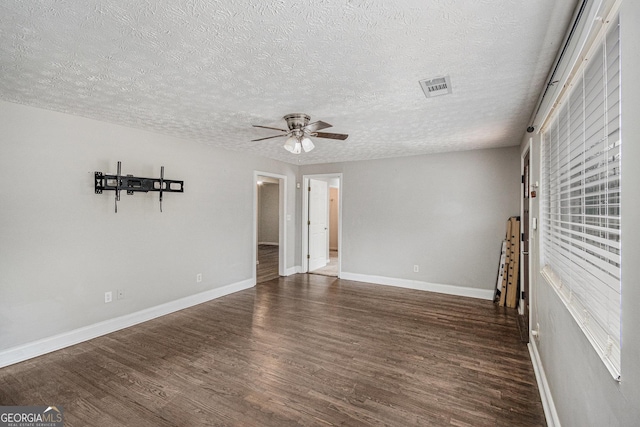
<point>206,70</point>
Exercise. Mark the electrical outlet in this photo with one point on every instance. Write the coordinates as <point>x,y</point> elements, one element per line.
<point>198,277</point>
<point>120,294</point>
<point>108,297</point>
<point>416,268</point>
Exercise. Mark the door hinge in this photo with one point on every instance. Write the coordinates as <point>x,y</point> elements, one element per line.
<point>308,256</point>
<point>308,222</point>
<point>524,295</point>
<point>309,189</point>
<point>522,179</point>
<point>522,237</point>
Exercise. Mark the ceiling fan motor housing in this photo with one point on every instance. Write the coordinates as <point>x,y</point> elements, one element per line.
<point>297,120</point>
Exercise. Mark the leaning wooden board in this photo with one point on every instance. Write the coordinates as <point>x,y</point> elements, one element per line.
<point>514,264</point>
<point>505,276</point>
<point>501,272</point>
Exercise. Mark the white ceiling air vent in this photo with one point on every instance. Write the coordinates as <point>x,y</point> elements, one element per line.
<point>436,86</point>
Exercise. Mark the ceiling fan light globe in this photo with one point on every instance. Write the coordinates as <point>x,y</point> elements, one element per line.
<point>297,149</point>
<point>290,144</point>
<point>307,144</point>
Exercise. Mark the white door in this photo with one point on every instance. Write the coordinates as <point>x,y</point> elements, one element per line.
<point>318,224</point>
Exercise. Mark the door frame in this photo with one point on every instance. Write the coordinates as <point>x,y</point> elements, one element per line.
<point>282,229</point>
<point>526,151</point>
<point>305,215</point>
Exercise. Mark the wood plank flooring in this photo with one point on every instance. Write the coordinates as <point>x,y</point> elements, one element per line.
<point>267,267</point>
<point>302,350</point>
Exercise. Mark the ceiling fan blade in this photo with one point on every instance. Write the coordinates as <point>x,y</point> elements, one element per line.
<point>267,127</point>
<point>329,135</point>
<point>312,127</point>
<point>269,137</point>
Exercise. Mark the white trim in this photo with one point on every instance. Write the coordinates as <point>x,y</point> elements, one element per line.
<point>294,270</point>
<point>548,406</point>
<point>76,336</point>
<point>421,286</point>
<point>269,243</point>
<point>523,154</point>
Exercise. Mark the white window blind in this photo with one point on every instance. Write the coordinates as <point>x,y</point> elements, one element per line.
<point>581,203</point>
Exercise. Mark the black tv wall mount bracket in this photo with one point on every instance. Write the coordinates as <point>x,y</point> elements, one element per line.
<point>132,184</point>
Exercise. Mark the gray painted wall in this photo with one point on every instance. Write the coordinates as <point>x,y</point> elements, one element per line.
<point>62,246</point>
<point>584,392</point>
<point>446,213</point>
<point>268,212</point>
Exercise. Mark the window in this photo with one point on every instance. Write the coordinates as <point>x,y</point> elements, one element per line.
<point>581,198</point>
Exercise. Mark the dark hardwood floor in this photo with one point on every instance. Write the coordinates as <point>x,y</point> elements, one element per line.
<point>267,267</point>
<point>303,350</point>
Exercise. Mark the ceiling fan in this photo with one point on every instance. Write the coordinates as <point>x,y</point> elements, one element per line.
<point>299,132</point>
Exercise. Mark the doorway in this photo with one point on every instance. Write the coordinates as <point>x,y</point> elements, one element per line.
<point>322,224</point>
<point>523,317</point>
<point>318,223</point>
<point>269,226</point>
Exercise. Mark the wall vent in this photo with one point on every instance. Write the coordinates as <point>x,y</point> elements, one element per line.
<point>436,87</point>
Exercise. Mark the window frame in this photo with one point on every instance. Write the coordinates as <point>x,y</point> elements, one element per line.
<point>564,274</point>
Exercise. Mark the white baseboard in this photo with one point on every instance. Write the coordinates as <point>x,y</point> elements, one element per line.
<point>66,339</point>
<point>422,286</point>
<point>549,407</point>
<point>269,243</point>
<point>294,270</point>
